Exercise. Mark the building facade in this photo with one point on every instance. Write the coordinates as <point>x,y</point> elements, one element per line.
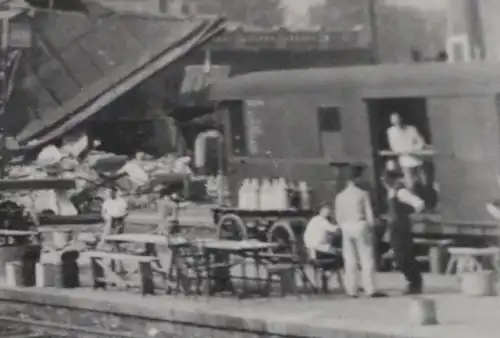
<point>473,30</point>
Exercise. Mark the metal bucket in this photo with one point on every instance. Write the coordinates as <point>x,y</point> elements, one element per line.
<point>478,284</point>
<point>423,311</point>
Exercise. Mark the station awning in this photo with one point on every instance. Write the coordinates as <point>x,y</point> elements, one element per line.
<point>81,62</point>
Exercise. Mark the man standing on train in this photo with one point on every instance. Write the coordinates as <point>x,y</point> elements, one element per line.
<point>354,215</point>
<point>401,204</point>
<point>405,139</point>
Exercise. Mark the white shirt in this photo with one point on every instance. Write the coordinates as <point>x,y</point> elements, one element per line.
<point>352,205</point>
<point>114,208</point>
<point>318,234</point>
<point>404,140</point>
<point>407,197</point>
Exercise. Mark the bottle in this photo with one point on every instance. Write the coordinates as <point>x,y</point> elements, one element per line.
<point>256,187</point>
<point>292,195</point>
<point>274,196</point>
<point>253,194</point>
<point>243,194</point>
<point>265,195</point>
<point>305,198</point>
<point>283,194</point>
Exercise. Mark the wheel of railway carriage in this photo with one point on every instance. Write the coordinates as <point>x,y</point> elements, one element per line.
<point>281,232</point>
<point>231,226</point>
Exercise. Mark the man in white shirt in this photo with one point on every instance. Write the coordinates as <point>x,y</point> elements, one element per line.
<point>405,139</point>
<point>319,234</point>
<point>353,212</point>
<point>401,204</point>
<point>113,211</point>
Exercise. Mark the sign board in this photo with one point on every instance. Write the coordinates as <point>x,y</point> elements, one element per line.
<point>254,110</point>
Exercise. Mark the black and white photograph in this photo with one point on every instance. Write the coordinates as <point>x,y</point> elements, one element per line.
<point>249,168</point>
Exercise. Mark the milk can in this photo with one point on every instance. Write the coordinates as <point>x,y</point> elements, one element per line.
<point>423,311</point>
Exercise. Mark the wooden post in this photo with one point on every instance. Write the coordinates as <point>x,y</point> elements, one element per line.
<point>147,284</point>
<point>98,274</point>
<point>4,66</point>
<point>372,17</point>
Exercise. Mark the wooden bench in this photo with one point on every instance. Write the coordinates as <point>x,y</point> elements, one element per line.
<point>437,254</point>
<point>469,259</point>
<point>103,273</point>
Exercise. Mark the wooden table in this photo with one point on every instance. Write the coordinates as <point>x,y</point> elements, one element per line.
<point>8,237</point>
<point>68,230</point>
<point>172,268</point>
<point>244,249</point>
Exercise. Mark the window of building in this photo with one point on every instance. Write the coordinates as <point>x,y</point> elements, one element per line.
<point>236,112</point>
<point>330,131</point>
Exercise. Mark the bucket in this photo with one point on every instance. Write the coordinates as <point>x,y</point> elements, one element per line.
<point>423,311</point>
<point>13,273</point>
<point>478,284</point>
<point>46,274</point>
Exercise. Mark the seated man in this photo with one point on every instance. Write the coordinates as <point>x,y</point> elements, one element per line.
<point>320,233</point>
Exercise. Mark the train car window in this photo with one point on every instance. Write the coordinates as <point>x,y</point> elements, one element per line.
<point>330,131</point>
<point>236,112</point>
<point>329,119</point>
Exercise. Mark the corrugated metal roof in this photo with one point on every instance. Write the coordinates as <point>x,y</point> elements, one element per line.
<point>361,77</point>
<point>80,62</point>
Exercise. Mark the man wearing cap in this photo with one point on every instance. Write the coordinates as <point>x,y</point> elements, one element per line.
<point>354,215</point>
<point>401,204</point>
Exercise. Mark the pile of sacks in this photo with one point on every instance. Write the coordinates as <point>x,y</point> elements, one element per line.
<point>77,160</point>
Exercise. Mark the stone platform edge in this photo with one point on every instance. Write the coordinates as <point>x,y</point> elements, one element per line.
<point>38,299</point>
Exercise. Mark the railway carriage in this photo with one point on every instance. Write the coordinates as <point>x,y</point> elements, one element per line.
<point>307,124</point>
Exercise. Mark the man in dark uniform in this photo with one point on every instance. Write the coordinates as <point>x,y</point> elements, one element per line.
<point>401,204</point>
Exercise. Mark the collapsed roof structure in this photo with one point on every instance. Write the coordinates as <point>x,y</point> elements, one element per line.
<point>82,61</point>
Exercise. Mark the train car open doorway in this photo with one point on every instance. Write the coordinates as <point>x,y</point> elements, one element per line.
<point>412,112</point>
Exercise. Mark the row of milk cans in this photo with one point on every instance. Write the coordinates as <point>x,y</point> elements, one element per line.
<point>273,194</point>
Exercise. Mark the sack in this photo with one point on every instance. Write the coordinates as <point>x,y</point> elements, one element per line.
<point>50,155</point>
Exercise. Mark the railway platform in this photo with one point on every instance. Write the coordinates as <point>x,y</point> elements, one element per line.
<point>84,312</point>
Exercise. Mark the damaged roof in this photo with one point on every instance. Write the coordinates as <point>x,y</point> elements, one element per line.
<point>80,62</point>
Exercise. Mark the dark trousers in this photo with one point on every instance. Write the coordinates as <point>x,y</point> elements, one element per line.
<point>404,256</point>
<point>118,225</point>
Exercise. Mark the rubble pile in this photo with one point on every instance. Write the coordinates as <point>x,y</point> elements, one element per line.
<point>94,172</point>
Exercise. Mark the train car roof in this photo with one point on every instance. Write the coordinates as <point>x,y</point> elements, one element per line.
<point>281,82</point>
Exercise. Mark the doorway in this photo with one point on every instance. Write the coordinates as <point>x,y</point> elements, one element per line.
<point>413,111</point>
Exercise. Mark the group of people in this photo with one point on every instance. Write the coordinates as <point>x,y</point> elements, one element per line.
<point>355,223</point>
